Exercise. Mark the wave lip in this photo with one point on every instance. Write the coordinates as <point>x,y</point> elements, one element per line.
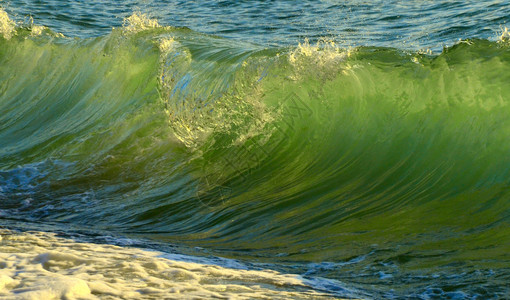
<point>7,26</point>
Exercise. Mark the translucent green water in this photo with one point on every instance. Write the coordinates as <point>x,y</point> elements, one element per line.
<point>385,169</point>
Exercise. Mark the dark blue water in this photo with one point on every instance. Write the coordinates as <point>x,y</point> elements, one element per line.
<point>403,24</point>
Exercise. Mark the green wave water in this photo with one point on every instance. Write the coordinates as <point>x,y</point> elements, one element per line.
<point>388,170</point>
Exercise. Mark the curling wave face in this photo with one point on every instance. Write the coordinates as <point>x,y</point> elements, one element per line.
<point>375,161</point>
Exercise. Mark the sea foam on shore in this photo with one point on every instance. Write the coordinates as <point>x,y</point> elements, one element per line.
<point>39,265</point>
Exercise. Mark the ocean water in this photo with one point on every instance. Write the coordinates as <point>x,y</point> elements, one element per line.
<point>254,149</point>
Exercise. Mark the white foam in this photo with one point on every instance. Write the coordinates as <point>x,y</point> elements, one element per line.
<point>38,265</point>
<point>139,22</point>
<point>7,26</point>
<point>505,35</point>
<point>320,59</point>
